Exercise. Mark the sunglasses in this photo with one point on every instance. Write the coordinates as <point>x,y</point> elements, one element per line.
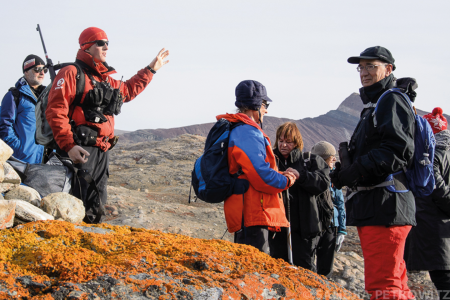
<point>266,104</point>
<point>39,70</point>
<point>99,43</point>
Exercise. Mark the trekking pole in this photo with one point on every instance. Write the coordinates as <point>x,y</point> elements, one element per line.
<point>50,66</point>
<point>289,240</point>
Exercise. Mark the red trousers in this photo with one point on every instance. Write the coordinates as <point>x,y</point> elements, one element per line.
<point>384,267</point>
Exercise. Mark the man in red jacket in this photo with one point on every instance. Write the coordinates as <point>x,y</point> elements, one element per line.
<point>87,129</point>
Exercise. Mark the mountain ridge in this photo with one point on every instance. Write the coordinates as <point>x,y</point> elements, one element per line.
<point>335,126</point>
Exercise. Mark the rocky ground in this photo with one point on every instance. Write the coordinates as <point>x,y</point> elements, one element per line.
<point>149,188</point>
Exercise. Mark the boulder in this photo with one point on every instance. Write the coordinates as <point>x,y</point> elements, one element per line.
<point>27,212</point>
<point>10,175</point>
<point>64,206</point>
<point>2,173</point>
<point>7,211</point>
<point>5,152</point>
<point>26,193</point>
<point>5,186</point>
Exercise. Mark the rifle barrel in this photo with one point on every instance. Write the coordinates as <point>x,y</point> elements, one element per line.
<point>49,61</point>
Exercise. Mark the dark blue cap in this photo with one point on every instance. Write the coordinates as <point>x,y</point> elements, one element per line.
<point>250,94</point>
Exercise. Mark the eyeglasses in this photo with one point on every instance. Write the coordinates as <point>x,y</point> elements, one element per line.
<point>368,67</point>
<point>39,70</point>
<point>99,43</point>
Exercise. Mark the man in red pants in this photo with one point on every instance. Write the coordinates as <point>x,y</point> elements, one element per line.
<point>382,144</point>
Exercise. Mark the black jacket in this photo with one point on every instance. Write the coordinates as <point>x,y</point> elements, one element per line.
<point>428,244</point>
<point>304,214</point>
<point>380,151</point>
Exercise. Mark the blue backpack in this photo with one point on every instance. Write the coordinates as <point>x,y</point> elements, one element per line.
<point>420,174</point>
<point>211,178</point>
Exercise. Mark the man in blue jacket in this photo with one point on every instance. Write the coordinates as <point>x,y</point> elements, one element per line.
<point>17,117</point>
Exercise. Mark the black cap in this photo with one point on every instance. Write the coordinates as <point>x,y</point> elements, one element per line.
<point>250,94</point>
<point>376,52</point>
<point>31,61</point>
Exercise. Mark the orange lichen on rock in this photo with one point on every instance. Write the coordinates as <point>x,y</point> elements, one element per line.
<point>48,258</point>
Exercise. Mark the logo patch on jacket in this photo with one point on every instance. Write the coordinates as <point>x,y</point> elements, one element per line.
<point>59,84</point>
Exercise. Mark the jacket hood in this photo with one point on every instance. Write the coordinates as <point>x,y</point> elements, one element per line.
<point>100,69</point>
<point>443,140</point>
<point>408,86</point>
<point>370,94</point>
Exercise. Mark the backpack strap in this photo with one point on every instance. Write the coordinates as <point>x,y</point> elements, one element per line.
<point>81,80</point>
<point>397,91</point>
<point>16,95</point>
<point>307,160</point>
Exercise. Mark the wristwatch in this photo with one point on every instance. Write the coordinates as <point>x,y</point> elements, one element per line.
<point>151,70</point>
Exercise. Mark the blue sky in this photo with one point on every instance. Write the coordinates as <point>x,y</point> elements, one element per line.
<point>297,49</point>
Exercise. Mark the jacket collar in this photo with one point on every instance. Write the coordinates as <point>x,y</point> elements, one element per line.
<point>371,93</point>
<point>240,117</point>
<point>24,88</point>
<point>294,156</point>
<point>100,69</point>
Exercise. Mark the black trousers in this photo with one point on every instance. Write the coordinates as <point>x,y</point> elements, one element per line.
<point>441,280</point>
<point>97,166</point>
<point>303,249</point>
<point>325,252</point>
<point>256,236</point>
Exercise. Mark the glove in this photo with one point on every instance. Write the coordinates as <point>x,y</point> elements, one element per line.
<point>334,176</point>
<point>339,240</point>
<point>349,176</point>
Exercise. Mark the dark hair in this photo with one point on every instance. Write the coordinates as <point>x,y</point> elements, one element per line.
<point>290,129</point>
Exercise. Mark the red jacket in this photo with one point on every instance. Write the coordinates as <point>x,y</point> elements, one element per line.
<point>62,95</point>
<point>249,149</point>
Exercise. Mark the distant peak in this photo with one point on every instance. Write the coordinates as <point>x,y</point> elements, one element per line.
<point>352,105</point>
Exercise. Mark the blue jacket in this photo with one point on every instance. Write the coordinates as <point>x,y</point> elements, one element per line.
<point>18,124</point>
<point>339,209</point>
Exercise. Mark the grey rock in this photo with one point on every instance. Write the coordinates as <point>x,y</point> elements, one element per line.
<point>65,206</point>
<point>210,294</point>
<point>7,212</point>
<point>341,282</point>
<point>10,175</point>
<point>347,274</point>
<point>269,294</point>
<point>94,230</point>
<point>27,212</point>
<point>276,276</point>
<point>355,256</point>
<point>5,152</point>
<point>141,276</point>
<point>25,193</point>
<point>6,186</point>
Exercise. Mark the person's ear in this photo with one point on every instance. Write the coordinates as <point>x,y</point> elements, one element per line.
<point>389,70</point>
